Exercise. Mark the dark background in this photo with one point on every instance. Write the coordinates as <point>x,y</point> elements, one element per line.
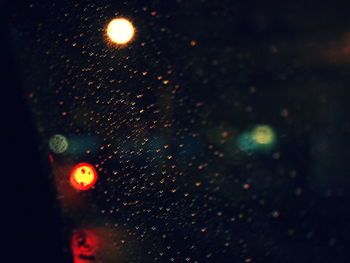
<point>254,62</point>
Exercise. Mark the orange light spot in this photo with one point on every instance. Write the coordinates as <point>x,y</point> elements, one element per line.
<point>83,176</point>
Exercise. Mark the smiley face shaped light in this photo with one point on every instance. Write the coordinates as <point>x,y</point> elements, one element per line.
<point>83,176</point>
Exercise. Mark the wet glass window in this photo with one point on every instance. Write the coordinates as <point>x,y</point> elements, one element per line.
<point>191,131</point>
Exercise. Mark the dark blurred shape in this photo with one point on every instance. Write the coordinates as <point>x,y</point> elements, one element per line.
<point>31,218</point>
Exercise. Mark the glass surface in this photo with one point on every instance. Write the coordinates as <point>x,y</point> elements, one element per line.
<point>192,131</point>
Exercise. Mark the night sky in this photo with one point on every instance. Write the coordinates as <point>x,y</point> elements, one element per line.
<point>219,133</point>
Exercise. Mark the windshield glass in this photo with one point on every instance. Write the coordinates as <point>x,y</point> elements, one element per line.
<point>192,131</point>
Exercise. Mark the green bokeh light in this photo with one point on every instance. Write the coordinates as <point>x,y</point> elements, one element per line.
<point>263,134</point>
<point>58,143</point>
<point>261,138</point>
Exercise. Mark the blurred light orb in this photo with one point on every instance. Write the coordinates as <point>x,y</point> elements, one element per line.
<point>58,143</point>
<point>263,134</point>
<point>84,244</point>
<point>120,30</point>
<point>83,176</point>
<point>246,142</point>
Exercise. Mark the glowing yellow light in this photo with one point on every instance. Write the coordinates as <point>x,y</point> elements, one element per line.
<point>120,30</point>
<point>83,176</point>
<point>263,134</point>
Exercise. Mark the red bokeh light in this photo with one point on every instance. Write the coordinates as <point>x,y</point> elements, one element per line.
<point>84,244</point>
<point>83,176</point>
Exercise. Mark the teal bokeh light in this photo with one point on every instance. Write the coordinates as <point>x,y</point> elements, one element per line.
<point>81,144</point>
<point>260,138</point>
<point>246,142</point>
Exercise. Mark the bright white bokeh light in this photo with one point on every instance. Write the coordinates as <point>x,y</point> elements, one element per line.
<point>120,31</point>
